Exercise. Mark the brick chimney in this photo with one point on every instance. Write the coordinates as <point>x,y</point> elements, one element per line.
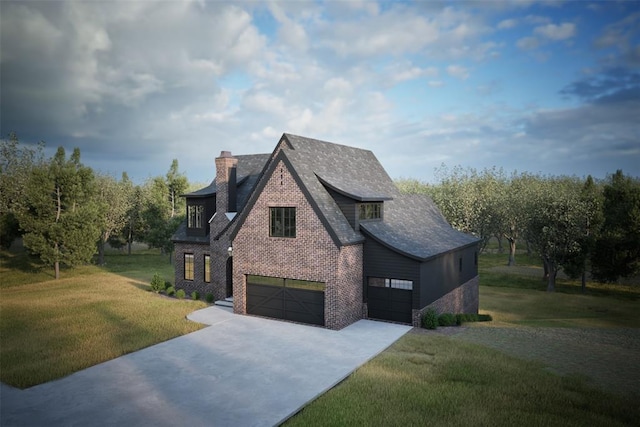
<point>226,166</point>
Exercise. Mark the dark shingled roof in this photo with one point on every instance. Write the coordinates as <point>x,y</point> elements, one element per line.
<point>414,226</point>
<point>248,173</point>
<point>351,171</point>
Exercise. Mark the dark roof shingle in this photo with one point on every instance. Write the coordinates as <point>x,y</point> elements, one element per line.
<point>414,226</point>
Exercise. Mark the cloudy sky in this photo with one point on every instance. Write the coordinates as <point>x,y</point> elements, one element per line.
<point>545,87</point>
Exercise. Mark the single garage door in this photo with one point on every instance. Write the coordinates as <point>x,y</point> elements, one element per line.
<point>287,299</point>
<point>390,299</point>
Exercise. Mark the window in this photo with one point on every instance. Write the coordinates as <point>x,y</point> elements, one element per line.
<point>369,211</point>
<point>188,266</point>
<point>475,258</point>
<point>282,222</point>
<point>460,264</point>
<point>194,216</point>
<point>391,283</point>
<point>207,268</point>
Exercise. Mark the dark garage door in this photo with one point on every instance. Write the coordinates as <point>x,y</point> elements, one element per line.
<point>288,299</point>
<point>390,299</point>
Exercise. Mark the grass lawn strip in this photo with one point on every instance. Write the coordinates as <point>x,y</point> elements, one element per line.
<point>430,379</point>
<point>52,329</point>
<point>607,357</point>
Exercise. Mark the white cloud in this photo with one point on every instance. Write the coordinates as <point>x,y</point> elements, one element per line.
<point>528,43</point>
<point>458,71</point>
<point>554,32</point>
<point>507,24</point>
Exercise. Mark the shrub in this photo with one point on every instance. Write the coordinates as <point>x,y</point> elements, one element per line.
<point>209,298</point>
<point>484,318</point>
<point>157,284</point>
<point>472,317</point>
<point>171,290</point>
<point>195,295</point>
<point>430,319</point>
<point>447,319</point>
<point>167,285</point>
<point>180,293</point>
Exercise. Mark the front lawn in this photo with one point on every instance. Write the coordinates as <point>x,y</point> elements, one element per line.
<point>479,378</point>
<point>430,379</point>
<point>50,329</point>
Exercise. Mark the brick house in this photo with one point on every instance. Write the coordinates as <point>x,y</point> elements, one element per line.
<point>318,233</point>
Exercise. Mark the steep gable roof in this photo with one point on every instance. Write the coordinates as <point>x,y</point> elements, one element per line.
<point>351,171</point>
<point>415,227</point>
<point>248,172</point>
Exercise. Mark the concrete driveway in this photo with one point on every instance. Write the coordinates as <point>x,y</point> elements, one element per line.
<point>240,371</point>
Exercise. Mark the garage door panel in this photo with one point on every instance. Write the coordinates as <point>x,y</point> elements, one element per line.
<point>299,303</point>
<point>390,304</point>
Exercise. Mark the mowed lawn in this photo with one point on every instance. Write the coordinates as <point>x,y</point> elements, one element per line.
<point>495,374</point>
<point>50,329</point>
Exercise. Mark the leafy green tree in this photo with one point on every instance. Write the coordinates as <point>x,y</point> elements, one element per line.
<point>177,184</point>
<point>16,164</point>
<point>556,226</point>
<point>591,198</point>
<point>617,250</point>
<point>115,202</point>
<point>60,219</point>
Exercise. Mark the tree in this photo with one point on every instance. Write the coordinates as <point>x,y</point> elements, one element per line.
<point>60,215</point>
<point>556,226</point>
<point>177,184</point>
<point>115,201</point>
<point>514,208</point>
<point>617,250</point>
<point>591,199</point>
<point>16,164</point>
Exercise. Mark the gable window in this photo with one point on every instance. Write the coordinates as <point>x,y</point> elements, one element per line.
<point>282,222</point>
<point>369,211</point>
<point>188,266</point>
<point>207,268</point>
<point>194,216</point>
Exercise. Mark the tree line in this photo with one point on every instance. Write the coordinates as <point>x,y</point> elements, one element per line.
<point>580,226</point>
<point>66,213</point>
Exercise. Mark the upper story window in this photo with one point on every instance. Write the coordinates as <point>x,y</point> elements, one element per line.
<point>282,222</point>
<point>195,215</point>
<point>369,211</point>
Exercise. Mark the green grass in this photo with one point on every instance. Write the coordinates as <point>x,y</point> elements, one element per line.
<point>521,306</point>
<point>49,328</point>
<point>431,379</point>
<point>528,272</point>
<point>434,380</point>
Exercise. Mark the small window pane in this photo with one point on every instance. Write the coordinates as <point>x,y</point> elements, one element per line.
<point>188,266</point>
<point>207,268</point>
<point>369,211</point>
<point>195,216</point>
<point>282,222</point>
<point>391,283</point>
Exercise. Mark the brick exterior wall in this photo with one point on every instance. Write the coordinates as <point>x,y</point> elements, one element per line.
<point>311,255</point>
<point>198,283</point>
<point>463,299</point>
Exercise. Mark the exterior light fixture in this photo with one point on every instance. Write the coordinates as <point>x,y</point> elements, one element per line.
<point>230,251</point>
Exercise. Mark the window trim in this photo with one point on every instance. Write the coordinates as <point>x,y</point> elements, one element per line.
<point>189,259</point>
<point>287,215</point>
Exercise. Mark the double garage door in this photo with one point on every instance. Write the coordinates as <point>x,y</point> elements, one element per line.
<point>288,299</point>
